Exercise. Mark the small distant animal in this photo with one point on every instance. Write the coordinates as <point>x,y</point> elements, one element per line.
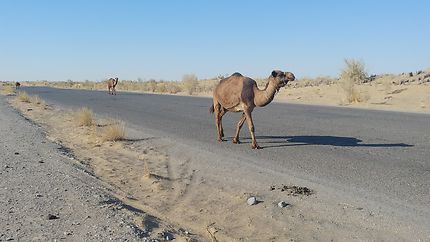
<point>111,83</point>
<point>17,85</point>
<point>239,93</point>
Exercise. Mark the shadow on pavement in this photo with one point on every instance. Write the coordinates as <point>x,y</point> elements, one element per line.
<point>282,141</point>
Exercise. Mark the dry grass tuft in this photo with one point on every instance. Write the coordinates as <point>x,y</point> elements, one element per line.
<point>37,100</point>
<point>114,132</point>
<point>7,89</point>
<point>191,83</point>
<point>23,97</point>
<point>354,71</point>
<point>352,94</point>
<point>352,74</point>
<point>84,117</point>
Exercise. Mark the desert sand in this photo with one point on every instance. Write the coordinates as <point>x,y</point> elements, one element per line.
<point>406,98</point>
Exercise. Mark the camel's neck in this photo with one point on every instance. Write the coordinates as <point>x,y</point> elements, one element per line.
<point>265,96</point>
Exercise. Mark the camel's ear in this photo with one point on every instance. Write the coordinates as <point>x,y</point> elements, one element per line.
<point>274,73</point>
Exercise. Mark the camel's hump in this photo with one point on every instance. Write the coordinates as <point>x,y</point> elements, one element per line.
<point>236,74</point>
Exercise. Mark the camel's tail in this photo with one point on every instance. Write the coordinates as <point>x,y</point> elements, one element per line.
<point>212,109</point>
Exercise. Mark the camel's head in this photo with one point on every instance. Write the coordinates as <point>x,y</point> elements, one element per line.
<point>282,78</point>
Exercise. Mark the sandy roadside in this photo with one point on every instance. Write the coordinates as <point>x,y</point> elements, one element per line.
<point>207,193</point>
<point>403,98</point>
<point>47,196</point>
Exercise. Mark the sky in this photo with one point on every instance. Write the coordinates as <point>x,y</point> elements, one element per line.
<point>161,39</point>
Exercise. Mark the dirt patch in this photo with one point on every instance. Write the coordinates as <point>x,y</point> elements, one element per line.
<point>293,190</point>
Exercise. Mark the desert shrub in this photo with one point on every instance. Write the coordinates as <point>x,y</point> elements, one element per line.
<point>84,117</point>
<point>173,88</point>
<point>190,83</point>
<point>7,89</point>
<point>208,85</point>
<point>23,97</point>
<point>353,73</point>
<point>35,99</point>
<point>152,85</point>
<point>114,131</point>
<point>70,83</point>
<point>130,85</point>
<point>161,87</point>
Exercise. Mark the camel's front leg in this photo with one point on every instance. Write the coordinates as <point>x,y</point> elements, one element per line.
<point>251,129</point>
<point>238,127</point>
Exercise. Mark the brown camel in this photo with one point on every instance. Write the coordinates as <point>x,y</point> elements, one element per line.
<point>112,82</point>
<point>238,93</point>
<point>17,85</point>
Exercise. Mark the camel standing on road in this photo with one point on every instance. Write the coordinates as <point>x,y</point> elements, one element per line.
<point>17,85</point>
<point>238,93</point>
<point>112,82</point>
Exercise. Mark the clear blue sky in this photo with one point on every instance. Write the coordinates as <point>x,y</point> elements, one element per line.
<point>95,39</point>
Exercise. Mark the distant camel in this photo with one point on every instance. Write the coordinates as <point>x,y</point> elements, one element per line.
<point>17,85</point>
<point>238,93</point>
<point>112,82</point>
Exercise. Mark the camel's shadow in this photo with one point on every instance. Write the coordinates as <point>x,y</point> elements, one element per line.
<point>283,141</point>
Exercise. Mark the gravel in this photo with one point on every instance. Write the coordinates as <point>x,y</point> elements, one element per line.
<point>45,196</point>
<point>283,204</point>
<point>251,201</point>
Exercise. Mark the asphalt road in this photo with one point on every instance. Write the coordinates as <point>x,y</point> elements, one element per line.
<point>381,154</point>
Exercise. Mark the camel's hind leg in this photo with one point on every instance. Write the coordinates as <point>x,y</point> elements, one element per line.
<point>238,127</point>
<point>221,114</point>
<point>217,113</point>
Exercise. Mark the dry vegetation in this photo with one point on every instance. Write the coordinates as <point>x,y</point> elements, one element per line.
<point>23,97</point>
<point>7,89</point>
<point>115,131</point>
<point>84,117</point>
<point>190,85</point>
<point>353,74</point>
<point>37,100</point>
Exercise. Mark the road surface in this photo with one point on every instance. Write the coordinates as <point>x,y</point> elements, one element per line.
<point>381,155</point>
